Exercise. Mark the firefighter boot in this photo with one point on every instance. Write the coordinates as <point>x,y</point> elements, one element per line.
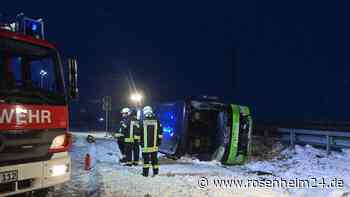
<point>123,159</point>
<point>145,172</point>
<point>127,163</point>
<point>155,164</point>
<point>155,171</point>
<point>136,154</point>
<point>128,154</point>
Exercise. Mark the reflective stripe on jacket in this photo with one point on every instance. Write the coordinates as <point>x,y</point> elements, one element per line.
<point>151,135</point>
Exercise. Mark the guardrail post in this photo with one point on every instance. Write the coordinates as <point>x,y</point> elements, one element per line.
<point>292,138</point>
<point>328,138</point>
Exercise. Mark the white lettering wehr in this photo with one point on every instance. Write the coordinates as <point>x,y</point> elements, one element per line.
<point>25,116</point>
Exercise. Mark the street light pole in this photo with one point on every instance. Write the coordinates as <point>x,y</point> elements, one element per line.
<point>107,106</point>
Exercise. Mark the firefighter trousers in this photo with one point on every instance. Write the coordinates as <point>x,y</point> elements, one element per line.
<point>150,160</point>
<point>128,147</point>
<point>136,152</point>
<point>121,145</point>
<point>132,153</point>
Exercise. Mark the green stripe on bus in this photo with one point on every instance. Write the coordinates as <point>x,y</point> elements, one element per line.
<point>234,135</point>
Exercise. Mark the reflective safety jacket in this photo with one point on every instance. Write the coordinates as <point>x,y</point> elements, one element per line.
<point>120,133</point>
<point>131,130</point>
<point>134,130</point>
<point>151,135</point>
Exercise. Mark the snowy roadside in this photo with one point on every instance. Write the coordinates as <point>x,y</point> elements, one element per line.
<point>95,134</point>
<point>182,178</point>
<point>309,163</point>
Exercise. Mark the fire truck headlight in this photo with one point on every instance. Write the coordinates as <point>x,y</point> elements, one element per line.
<point>59,170</point>
<point>58,142</point>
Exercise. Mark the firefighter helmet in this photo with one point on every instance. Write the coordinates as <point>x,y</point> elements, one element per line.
<point>125,110</point>
<point>147,111</point>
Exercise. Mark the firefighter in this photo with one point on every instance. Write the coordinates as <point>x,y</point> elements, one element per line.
<point>135,131</point>
<point>151,136</point>
<point>128,136</point>
<point>125,112</point>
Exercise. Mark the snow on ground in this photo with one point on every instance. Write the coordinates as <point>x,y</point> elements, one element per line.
<point>309,163</point>
<point>96,134</point>
<point>182,178</point>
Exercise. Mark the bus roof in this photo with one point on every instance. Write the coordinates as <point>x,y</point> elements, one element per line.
<point>25,38</point>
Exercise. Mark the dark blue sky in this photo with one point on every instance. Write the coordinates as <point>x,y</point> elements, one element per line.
<point>291,59</point>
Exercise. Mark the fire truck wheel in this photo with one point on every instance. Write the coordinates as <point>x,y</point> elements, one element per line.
<point>40,193</point>
<point>36,193</point>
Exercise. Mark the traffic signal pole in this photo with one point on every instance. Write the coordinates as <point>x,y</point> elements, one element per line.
<point>107,121</point>
<point>107,106</point>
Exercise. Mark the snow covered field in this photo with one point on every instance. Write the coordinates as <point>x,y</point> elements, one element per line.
<point>190,177</point>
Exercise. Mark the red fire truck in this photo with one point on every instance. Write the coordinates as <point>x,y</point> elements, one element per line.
<point>34,137</point>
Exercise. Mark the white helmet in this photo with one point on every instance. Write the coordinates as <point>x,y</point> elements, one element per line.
<point>147,111</point>
<point>125,110</point>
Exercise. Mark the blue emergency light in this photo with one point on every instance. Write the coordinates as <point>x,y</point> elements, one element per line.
<point>168,120</point>
<point>34,26</point>
<point>168,131</point>
<point>169,115</point>
<point>30,27</point>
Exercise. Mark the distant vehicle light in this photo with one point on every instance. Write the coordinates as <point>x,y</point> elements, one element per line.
<point>43,73</point>
<point>34,26</point>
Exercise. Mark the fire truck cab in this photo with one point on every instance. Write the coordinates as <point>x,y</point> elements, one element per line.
<point>34,129</point>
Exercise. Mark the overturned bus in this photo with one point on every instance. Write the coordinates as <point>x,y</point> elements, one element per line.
<point>207,129</point>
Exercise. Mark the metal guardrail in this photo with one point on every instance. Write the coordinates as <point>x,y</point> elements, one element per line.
<point>328,139</point>
<point>309,125</point>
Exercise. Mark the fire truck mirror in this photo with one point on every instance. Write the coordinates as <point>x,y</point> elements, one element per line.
<point>73,78</point>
